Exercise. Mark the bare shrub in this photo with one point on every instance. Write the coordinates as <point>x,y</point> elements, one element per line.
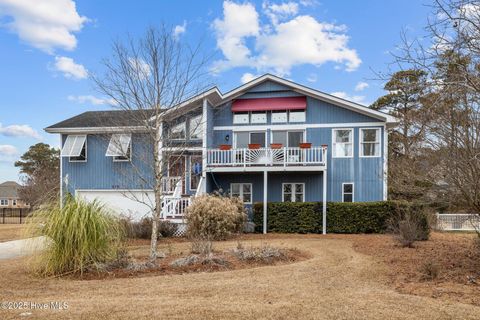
<point>142,229</point>
<point>410,223</point>
<point>209,260</point>
<point>215,217</point>
<point>203,247</point>
<point>263,254</point>
<point>430,270</point>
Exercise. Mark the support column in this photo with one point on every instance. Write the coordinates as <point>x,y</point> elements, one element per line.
<point>204,144</point>
<point>265,199</point>
<point>324,208</point>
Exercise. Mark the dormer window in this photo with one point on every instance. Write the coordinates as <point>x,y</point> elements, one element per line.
<point>178,132</point>
<point>120,147</point>
<point>241,118</point>
<point>75,147</point>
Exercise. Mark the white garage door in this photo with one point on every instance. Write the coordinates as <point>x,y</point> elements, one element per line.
<point>134,204</point>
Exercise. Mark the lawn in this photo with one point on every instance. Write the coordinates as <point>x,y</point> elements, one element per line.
<point>11,232</point>
<point>345,276</point>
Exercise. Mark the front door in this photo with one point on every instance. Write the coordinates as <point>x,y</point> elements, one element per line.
<point>176,168</point>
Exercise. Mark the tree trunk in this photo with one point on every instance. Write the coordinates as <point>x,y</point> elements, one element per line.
<point>158,167</point>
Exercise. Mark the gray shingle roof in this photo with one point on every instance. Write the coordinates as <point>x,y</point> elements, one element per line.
<point>110,118</point>
<point>9,189</point>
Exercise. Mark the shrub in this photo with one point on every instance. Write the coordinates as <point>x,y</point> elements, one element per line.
<point>214,217</point>
<point>430,270</point>
<point>342,217</point>
<point>409,223</point>
<point>263,254</point>
<point>80,236</point>
<point>143,229</point>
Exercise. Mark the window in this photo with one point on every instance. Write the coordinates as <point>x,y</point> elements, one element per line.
<point>288,138</point>
<point>14,202</point>
<point>242,191</point>
<point>195,171</point>
<point>242,139</point>
<point>258,117</point>
<point>370,142</point>
<point>258,138</point>
<point>120,147</point>
<point>3,202</point>
<point>75,147</point>
<point>297,116</point>
<point>342,143</point>
<point>347,192</point>
<point>293,192</point>
<point>279,116</point>
<point>240,118</point>
<point>178,131</point>
<point>196,127</point>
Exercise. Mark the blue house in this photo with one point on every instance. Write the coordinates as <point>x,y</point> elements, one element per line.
<point>268,140</point>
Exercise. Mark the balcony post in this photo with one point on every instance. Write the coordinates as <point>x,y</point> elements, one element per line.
<point>265,206</point>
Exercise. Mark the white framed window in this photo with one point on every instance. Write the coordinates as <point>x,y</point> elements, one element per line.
<point>291,139</point>
<point>241,118</point>
<point>342,143</point>
<point>258,117</point>
<point>242,191</point>
<point>243,138</point>
<point>120,147</point>
<point>196,127</point>
<point>279,117</point>
<point>347,192</point>
<point>75,148</point>
<point>293,192</point>
<point>370,142</point>
<point>3,202</point>
<point>297,116</point>
<point>14,202</point>
<point>178,131</point>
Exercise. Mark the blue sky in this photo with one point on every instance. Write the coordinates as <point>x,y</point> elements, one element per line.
<point>48,47</point>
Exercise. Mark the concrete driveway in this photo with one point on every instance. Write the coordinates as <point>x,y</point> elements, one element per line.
<point>18,248</point>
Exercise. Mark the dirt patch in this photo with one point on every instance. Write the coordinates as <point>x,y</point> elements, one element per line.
<point>453,254</point>
<point>9,232</point>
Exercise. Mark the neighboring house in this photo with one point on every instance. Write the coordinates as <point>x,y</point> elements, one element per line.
<point>9,195</point>
<point>268,140</point>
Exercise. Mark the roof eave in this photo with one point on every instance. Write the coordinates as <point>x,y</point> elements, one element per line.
<point>95,129</point>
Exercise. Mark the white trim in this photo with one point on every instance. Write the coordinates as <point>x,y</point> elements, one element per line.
<point>204,142</point>
<point>334,156</point>
<point>385,163</point>
<point>83,130</point>
<point>299,168</point>
<point>241,184</point>
<point>353,191</point>
<point>299,126</point>
<point>86,152</point>
<point>114,190</point>
<point>61,174</point>
<point>293,191</point>
<point>378,141</point>
<point>129,159</point>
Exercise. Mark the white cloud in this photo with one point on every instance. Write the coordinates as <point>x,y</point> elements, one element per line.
<point>277,12</point>
<point>140,68</point>
<point>179,29</point>
<point>247,77</point>
<point>361,86</point>
<point>19,130</point>
<point>346,96</point>
<point>69,68</point>
<point>7,150</point>
<point>91,100</point>
<point>280,45</point>
<point>44,24</point>
<point>312,78</point>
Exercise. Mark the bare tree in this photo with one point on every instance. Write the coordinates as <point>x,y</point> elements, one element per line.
<point>148,77</point>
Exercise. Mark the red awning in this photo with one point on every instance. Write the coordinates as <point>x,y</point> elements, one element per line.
<point>268,104</point>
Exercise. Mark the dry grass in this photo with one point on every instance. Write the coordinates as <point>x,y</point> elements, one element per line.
<point>10,232</point>
<point>337,282</point>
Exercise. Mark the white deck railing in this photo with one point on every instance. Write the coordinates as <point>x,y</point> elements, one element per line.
<point>266,157</point>
<point>169,184</point>
<point>458,221</point>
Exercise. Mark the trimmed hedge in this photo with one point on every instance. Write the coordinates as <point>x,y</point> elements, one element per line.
<point>342,217</point>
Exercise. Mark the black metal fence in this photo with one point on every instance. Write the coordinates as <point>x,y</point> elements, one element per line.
<point>13,215</point>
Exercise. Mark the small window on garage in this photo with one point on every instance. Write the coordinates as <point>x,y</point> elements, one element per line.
<point>347,192</point>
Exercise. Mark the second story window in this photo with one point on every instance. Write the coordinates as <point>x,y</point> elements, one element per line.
<point>120,147</point>
<point>279,117</point>
<point>196,127</point>
<point>370,142</point>
<point>342,143</point>
<point>75,148</point>
<point>297,116</point>
<point>241,118</point>
<point>258,117</point>
<point>178,131</point>
<point>3,202</point>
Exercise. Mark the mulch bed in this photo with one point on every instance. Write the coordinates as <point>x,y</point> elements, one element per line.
<point>456,256</point>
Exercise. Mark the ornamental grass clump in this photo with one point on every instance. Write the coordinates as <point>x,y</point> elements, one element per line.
<point>215,217</point>
<point>79,236</point>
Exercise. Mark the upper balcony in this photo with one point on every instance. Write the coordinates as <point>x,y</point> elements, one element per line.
<point>270,159</point>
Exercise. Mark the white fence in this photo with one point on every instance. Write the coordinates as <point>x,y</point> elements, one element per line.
<point>267,157</point>
<point>458,221</point>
